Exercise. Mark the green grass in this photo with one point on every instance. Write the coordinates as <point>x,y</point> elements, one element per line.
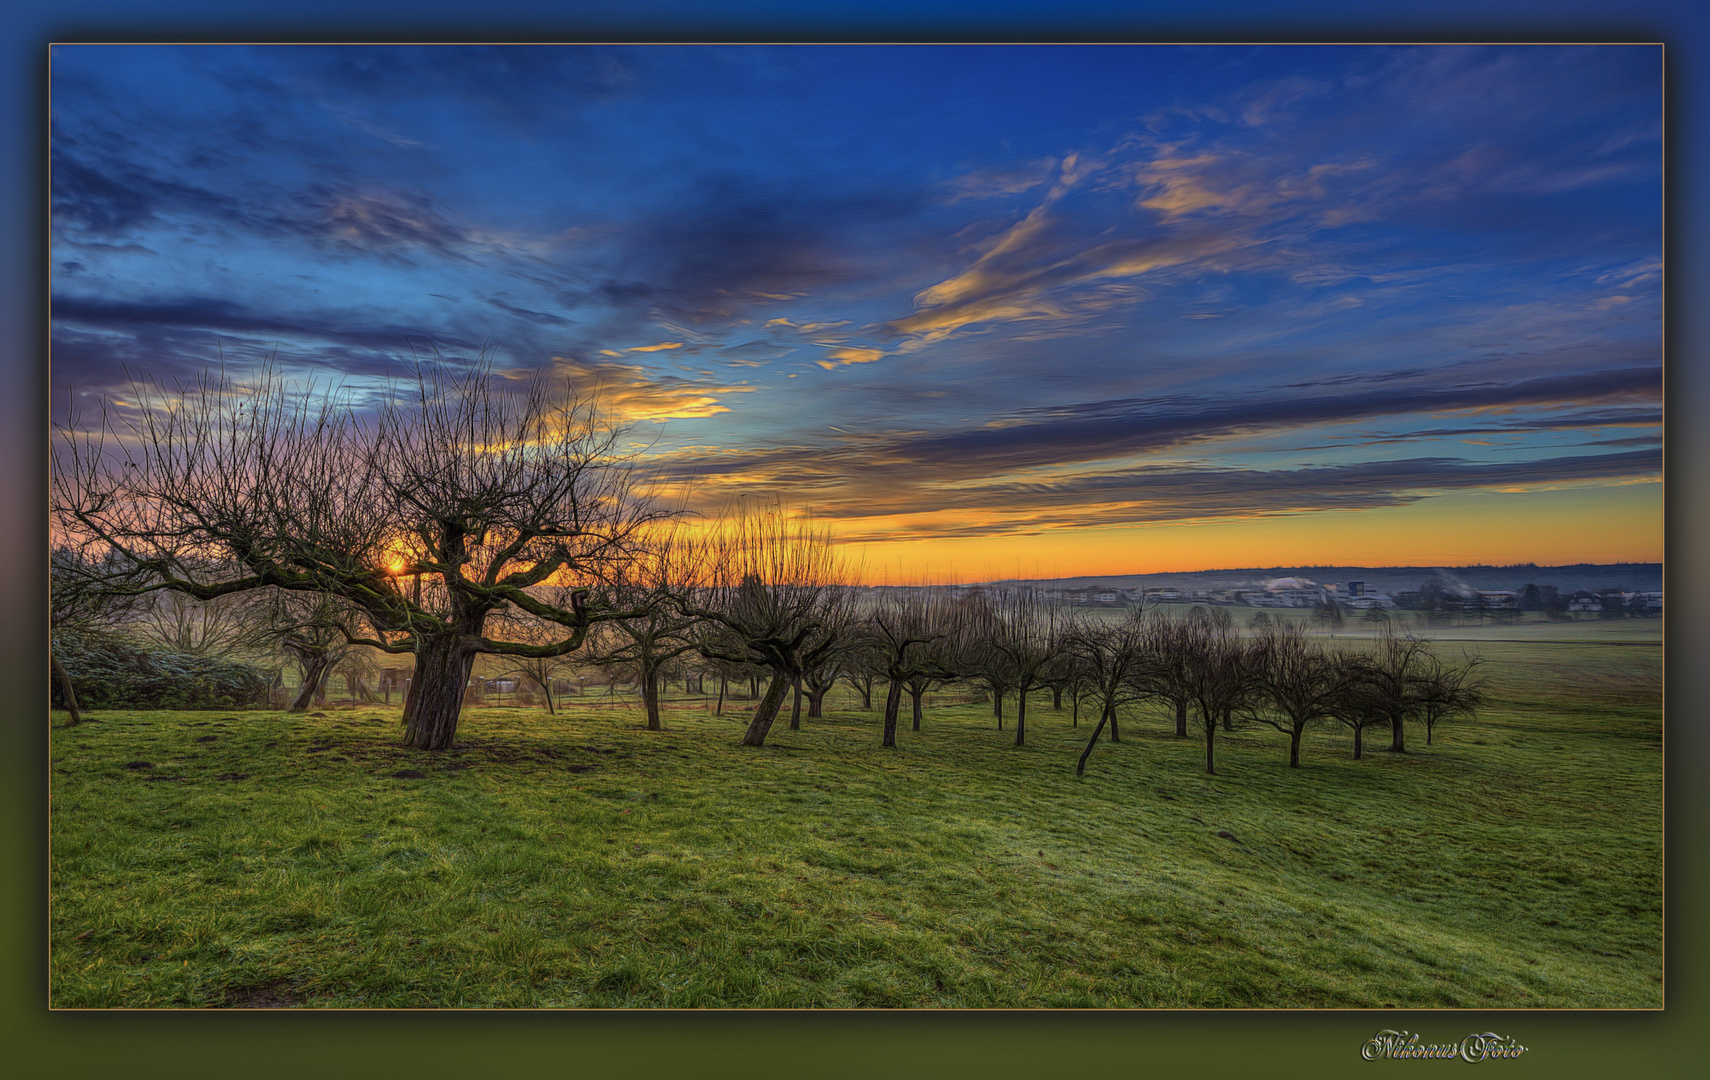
<point>580,861</point>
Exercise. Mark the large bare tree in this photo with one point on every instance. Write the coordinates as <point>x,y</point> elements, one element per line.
<point>426,507</point>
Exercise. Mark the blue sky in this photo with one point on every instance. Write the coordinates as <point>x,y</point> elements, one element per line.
<point>957,300</point>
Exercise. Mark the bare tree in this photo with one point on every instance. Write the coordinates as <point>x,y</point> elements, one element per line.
<point>202,628</point>
<point>1297,684</point>
<point>1108,657</point>
<point>899,636</point>
<point>1216,674</point>
<point>425,517</point>
<point>1447,690</point>
<point>659,633</point>
<point>771,596</point>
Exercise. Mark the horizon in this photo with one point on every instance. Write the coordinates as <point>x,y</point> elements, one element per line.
<point>987,310</point>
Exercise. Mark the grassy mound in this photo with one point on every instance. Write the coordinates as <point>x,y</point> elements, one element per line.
<point>578,860</point>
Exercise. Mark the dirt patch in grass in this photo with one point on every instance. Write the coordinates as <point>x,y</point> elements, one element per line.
<point>277,994</point>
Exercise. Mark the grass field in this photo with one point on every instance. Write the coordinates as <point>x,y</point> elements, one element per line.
<point>253,859</point>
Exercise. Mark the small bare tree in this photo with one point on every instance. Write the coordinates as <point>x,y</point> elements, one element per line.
<point>771,595</point>
<point>1297,683</point>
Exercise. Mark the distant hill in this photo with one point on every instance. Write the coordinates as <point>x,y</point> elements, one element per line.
<point>1631,577</point>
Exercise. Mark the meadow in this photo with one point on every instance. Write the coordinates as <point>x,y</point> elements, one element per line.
<point>252,859</point>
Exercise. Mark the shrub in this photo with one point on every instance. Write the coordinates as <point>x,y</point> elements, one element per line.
<point>108,672</point>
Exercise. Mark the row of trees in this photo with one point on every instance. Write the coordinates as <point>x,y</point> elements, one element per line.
<point>462,519</point>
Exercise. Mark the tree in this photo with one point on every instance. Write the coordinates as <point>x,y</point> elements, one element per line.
<point>1297,684</point>
<point>1107,656</point>
<point>1392,671</point>
<point>659,632</point>
<point>1165,675</point>
<point>1448,690</point>
<point>1021,640</point>
<point>1216,677</point>
<point>770,596</point>
<point>210,628</point>
<point>469,493</point>
<point>898,638</point>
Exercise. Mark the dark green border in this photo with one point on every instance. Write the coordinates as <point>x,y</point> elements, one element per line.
<point>36,1043</point>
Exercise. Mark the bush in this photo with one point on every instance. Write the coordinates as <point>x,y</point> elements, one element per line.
<point>110,672</point>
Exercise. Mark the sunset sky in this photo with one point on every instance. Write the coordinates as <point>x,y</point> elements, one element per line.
<point>990,311</point>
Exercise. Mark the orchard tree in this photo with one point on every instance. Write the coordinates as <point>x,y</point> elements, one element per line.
<point>770,595</point>
<point>1447,690</point>
<point>1296,683</point>
<point>425,511</point>
<point>1109,656</point>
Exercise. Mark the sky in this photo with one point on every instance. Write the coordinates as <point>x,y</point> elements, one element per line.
<point>987,311</point>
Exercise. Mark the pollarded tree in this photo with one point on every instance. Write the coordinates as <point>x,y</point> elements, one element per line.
<point>425,514</point>
<point>771,596</point>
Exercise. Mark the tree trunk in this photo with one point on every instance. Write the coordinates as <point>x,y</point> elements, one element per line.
<point>1228,720</point>
<point>1115,729</point>
<point>1075,718</point>
<point>997,706</point>
<point>435,697</point>
<point>1081,766</point>
<point>1210,743</point>
<point>893,703</point>
<point>816,702</point>
<point>766,711</point>
<point>723,682</point>
<point>1397,738</point>
<point>650,699</point>
<point>314,671</point>
<point>916,695</point>
<point>1057,698</point>
<point>1020,716</point>
<point>1358,731</point>
<point>1181,719</point>
<point>1294,747</point>
<point>65,690</point>
<point>796,706</point>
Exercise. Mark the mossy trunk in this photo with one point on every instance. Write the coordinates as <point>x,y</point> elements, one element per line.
<point>435,697</point>
<point>916,695</point>
<point>796,707</point>
<point>1181,719</point>
<point>1397,737</point>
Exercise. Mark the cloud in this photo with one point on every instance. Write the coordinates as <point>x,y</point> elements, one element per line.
<point>994,181</point>
<point>630,393</point>
<point>849,355</point>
